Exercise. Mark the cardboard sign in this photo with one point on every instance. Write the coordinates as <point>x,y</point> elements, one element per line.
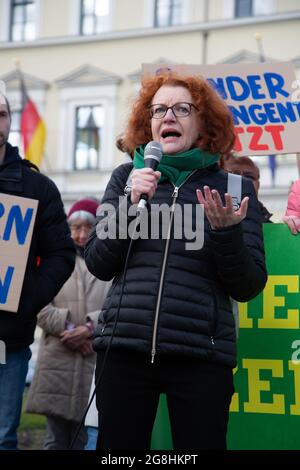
<point>263,98</point>
<point>17,216</point>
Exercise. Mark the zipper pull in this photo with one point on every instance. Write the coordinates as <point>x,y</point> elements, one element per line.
<point>212,340</point>
<point>175,192</point>
<point>152,356</point>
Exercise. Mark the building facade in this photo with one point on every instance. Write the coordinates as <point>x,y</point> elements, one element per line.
<point>81,61</point>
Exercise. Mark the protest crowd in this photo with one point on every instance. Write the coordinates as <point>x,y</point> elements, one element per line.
<point>135,304</point>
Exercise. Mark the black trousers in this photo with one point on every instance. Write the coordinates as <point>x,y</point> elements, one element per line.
<point>198,398</point>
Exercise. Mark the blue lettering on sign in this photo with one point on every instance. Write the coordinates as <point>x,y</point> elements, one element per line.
<point>239,89</point>
<point>4,287</point>
<point>236,94</point>
<point>255,87</point>
<point>271,112</point>
<point>275,83</point>
<point>286,112</point>
<point>240,113</point>
<point>257,115</point>
<point>21,225</point>
<point>267,112</point>
<point>218,85</point>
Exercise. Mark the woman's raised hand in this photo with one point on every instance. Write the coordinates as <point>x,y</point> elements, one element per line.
<point>220,216</point>
<point>144,181</point>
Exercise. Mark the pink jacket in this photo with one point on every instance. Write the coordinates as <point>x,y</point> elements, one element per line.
<point>293,205</point>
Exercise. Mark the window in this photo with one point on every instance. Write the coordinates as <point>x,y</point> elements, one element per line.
<point>89,124</point>
<point>94,16</point>
<point>243,8</point>
<point>167,12</point>
<point>87,120</point>
<point>22,26</point>
<point>263,7</point>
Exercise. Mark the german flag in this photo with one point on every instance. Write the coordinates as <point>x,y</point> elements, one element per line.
<point>33,128</point>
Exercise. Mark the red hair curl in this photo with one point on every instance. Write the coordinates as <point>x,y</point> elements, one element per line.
<point>216,129</point>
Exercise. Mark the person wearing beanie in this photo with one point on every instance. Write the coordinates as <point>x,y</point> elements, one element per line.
<point>61,383</point>
<point>87,205</point>
<point>81,217</point>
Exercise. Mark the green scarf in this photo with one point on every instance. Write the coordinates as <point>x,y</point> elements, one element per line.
<point>177,168</point>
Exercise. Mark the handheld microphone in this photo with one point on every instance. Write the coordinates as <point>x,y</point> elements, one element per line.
<point>152,156</point>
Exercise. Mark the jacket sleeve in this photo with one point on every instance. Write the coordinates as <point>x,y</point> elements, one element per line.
<point>93,317</point>
<point>106,249</point>
<point>293,204</point>
<point>239,252</point>
<point>52,319</point>
<point>55,246</point>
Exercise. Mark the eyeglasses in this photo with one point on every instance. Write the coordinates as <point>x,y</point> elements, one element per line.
<point>158,111</point>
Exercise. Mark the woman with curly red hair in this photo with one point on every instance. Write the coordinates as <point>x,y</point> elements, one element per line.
<point>175,332</point>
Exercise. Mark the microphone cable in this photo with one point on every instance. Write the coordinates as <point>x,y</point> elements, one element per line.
<point>97,382</point>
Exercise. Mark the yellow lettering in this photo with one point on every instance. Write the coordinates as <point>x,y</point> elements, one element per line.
<point>245,322</point>
<point>295,367</point>
<point>271,301</point>
<point>234,406</point>
<point>254,405</point>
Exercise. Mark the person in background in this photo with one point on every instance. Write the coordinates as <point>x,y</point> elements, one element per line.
<point>246,167</point>
<point>63,376</point>
<point>175,332</point>
<point>292,214</point>
<point>50,262</point>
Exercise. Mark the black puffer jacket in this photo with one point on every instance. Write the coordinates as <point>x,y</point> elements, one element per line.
<point>186,310</point>
<point>51,243</point>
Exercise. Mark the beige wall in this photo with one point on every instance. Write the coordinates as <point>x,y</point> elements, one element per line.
<point>52,112</point>
<point>55,17</point>
<point>121,56</point>
<point>287,5</point>
<point>59,18</point>
<point>130,15</point>
<point>118,57</point>
<point>216,9</point>
<point>124,56</point>
<point>198,10</point>
<point>278,41</point>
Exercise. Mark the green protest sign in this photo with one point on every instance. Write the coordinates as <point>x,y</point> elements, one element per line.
<point>265,409</point>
